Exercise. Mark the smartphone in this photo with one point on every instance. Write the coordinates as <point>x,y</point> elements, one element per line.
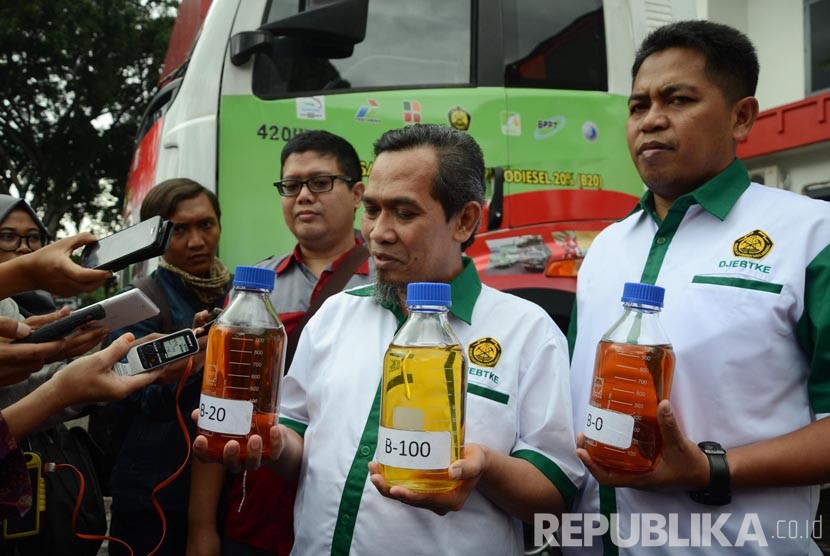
<point>62,327</point>
<point>126,308</point>
<point>28,524</point>
<point>140,242</point>
<point>167,349</point>
<point>211,320</point>
<point>115,312</point>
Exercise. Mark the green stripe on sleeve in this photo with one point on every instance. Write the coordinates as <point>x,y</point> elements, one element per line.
<point>499,397</point>
<point>739,283</point>
<point>813,330</point>
<point>295,426</point>
<point>555,475</point>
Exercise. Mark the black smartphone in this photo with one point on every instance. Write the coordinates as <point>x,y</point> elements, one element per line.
<point>62,327</point>
<point>137,243</point>
<point>211,320</point>
<point>115,312</point>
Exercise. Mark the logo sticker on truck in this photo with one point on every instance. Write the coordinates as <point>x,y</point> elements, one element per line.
<point>311,108</point>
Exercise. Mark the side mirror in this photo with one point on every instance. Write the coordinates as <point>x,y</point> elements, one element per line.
<point>328,31</point>
<point>245,44</point>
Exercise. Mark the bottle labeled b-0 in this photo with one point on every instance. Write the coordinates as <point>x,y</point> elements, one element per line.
<point>632,374</point>
<point>243,365</point>
<point>423,395</point>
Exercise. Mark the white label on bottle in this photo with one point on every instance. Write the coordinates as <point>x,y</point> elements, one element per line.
<point>414,449</point>
<point>609,427</point>
<point>225,416</point>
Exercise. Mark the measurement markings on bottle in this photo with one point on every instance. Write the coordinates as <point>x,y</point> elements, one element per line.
<point>624,391</point>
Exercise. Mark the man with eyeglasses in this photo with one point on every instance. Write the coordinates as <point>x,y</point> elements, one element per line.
<point>320,188</point>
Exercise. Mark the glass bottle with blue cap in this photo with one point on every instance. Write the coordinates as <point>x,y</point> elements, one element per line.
<point>243,365</point>
<point>632,374</point>
<point>423,395</point>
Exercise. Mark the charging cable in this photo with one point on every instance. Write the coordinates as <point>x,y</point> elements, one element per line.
<point>50,467</point>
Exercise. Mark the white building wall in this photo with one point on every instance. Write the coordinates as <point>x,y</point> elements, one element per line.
<point>776,27</point>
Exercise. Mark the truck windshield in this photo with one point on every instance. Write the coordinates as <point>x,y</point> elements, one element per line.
<point>555,44</point>
<point>385,59</point>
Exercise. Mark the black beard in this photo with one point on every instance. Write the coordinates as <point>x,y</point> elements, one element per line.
<point>390,293</point>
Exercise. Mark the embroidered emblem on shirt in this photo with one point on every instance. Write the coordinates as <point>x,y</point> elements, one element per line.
<point>485,352</point>
<point>754,245</point>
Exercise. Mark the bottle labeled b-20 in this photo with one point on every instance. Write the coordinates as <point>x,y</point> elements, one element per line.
<point>243,366</point>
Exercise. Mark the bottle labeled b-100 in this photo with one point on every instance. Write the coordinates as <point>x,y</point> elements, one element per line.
<point>423,395</point>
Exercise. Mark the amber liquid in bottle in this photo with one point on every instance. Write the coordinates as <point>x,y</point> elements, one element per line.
<point>631,379</point>
<point>242,364</point>
<point>425,390</point>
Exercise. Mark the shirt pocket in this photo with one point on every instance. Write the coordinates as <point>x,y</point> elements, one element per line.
<point>735,282</point>
<point>739,306</point>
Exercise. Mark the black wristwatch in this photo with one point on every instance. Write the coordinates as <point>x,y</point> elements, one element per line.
<point>718,492</point>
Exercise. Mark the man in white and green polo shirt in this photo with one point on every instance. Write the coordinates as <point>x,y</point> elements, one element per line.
<point>422,206</point>
<point>746,270</point>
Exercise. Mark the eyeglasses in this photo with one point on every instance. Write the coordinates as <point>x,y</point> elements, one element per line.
<point>317,184</point>
<point>9,241</point>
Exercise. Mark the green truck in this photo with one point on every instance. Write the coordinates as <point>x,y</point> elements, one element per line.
<point>541,85</point>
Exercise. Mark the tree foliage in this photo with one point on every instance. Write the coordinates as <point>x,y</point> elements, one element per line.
<point>65,64</point>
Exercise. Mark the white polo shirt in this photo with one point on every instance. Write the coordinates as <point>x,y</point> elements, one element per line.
<point>746,270</point>
<point>518,402</point>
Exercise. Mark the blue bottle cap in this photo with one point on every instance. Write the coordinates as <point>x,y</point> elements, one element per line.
<point>428,293</point>
<point>643,294</point>
<point>254,277</point>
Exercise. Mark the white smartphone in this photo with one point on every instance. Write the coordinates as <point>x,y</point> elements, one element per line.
<point>115,313</point>
<point>126,308</point>
<point>162,351</point>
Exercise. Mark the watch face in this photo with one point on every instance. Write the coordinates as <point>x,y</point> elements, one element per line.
<point>712,448</point>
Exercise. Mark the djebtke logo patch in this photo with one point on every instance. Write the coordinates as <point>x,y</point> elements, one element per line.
<point>485,352</point>
<point>754,245</point>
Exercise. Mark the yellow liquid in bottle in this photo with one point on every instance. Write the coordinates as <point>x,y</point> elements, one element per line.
<point>424,389</point>
<point>240,365</point>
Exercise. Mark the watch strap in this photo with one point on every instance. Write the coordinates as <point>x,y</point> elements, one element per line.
<point>718,492</point>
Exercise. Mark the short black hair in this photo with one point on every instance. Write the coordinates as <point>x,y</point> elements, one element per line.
<point>162,199</point>
<point>731,61</point>
<point>325,143</point>
<point>460,175</point>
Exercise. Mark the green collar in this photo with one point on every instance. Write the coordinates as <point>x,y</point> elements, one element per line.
<point>465,289</point>
<point>717,196</point>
